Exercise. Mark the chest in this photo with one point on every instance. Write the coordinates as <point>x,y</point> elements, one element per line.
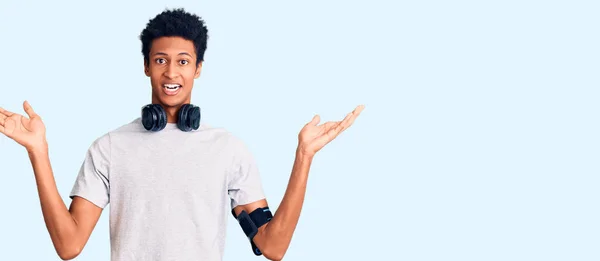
<point>158,171</point>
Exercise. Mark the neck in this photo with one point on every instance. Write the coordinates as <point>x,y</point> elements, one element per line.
<point>171,110</point>
<point>171,113</point>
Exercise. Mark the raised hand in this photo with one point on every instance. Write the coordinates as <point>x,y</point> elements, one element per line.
<point>314,137</point>
<point>29,132</point>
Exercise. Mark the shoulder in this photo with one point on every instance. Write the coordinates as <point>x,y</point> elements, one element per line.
<point>225,140</point>
<point>133,126</point>
<point>220,135</point>
<point>103,141</point>
<point>234,142</point>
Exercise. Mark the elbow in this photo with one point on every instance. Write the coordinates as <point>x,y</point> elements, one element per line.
<point>68,253</point>
<point>273,254</point>
<point>276,257</point>
<point>274,245</point>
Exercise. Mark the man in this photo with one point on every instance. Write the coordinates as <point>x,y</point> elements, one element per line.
<point>171,179</point>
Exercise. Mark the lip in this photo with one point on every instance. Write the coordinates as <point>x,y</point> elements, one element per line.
<point>171,93</point>
<point>163,84</point>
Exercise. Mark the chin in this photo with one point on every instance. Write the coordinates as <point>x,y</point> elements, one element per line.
<point>170,101</point>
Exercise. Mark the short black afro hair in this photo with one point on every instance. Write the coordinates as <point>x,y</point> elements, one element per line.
<point>176,22</point>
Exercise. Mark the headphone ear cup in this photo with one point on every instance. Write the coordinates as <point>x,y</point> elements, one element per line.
<point>194,117</point>
<point>182,119</point>
<point>189,118</point>
<point>154,117</point>
<point>148,117</point>
<point>162,117</point>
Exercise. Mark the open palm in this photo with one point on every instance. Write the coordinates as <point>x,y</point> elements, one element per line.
<point>314,137</point>
<point>29,132</point>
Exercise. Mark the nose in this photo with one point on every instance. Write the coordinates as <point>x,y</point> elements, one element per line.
<point>171,71</point>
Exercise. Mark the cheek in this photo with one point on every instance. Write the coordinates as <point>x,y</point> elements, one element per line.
<point>190,70</point>
<point>155,76</point>
<point>190,74</point>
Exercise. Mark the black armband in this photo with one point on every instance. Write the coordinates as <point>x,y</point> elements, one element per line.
<point>251,222</point>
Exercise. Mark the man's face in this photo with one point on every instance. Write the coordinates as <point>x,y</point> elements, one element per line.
<point>172,70</point>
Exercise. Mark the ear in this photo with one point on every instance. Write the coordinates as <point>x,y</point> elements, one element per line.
<point>146,69</point>
<point>198,69</point>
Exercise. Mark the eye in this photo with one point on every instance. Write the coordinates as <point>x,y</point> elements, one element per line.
<point>184,62</point>
<point>160,60</point>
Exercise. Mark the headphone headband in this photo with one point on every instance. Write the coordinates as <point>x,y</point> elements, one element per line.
<point>154,117</point>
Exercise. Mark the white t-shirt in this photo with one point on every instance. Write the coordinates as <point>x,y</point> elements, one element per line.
<point>170,192</point>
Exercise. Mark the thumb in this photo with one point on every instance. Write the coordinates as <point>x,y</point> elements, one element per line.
<point>315,120</point>
<point>28,109</point>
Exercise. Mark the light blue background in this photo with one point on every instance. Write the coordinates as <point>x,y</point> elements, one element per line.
<point>479,140</point>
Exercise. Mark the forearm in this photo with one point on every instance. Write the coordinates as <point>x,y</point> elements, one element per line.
<point>280,229</point>
<point>59,222</point>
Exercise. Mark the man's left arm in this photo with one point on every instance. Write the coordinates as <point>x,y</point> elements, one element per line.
<point>274,237</point>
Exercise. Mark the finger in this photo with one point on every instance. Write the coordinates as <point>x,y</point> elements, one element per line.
<point>2,119</point>
<point>358,110</point>
<point>9,127</point>
<point>334,131</point>
<point>330,124</point>
<point>328,127</point>
<point>5,112</point>
<point>354,113</point>
<point>28,109</point>
<point>348,121</point>
<point>2,129</point>
<point>342,125</point>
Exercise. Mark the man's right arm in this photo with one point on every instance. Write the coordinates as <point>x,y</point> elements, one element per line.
<point>70,228</point>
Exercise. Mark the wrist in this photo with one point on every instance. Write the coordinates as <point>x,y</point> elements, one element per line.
<point>303,154</point>
<point>39,149</point>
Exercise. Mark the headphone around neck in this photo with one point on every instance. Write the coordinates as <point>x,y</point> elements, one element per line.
<point>154,117</point>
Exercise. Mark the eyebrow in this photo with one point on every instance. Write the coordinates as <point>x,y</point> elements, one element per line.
<point>182,53</point>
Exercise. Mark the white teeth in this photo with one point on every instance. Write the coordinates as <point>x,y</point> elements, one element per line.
<point>172,86</point>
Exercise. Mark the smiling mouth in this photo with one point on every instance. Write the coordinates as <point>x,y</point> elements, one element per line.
<point>171,89</point>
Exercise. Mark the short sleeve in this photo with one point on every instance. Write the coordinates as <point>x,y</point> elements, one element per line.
<point>244,185</point>
<point>92,182</point>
